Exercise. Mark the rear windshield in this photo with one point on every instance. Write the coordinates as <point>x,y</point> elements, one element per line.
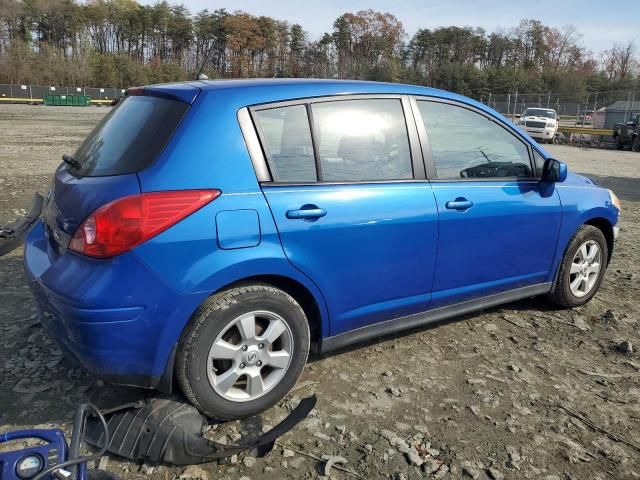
<point>130,137</point>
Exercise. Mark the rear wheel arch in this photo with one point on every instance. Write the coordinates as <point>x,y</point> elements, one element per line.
<point>300,293</point>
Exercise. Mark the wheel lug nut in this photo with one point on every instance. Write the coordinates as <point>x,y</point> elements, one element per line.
<point>242,365</point>
<point>244,348</point>
<point>261,345</point>
<point>259,363</point>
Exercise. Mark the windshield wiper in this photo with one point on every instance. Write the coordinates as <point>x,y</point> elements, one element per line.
<point>69,160</point>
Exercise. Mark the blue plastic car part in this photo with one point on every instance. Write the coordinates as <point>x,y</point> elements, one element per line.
<point>122,317</point>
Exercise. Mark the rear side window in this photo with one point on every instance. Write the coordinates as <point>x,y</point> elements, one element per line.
<point>130,137</point>
<point>360,140</point>
<point>465,144</point>
<point>287,142</point>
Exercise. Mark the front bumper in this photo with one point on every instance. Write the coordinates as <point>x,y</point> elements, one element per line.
<point>541,133</point>
<point>114,317</point>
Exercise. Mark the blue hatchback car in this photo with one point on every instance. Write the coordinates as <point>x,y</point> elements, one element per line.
<point>212,233</point>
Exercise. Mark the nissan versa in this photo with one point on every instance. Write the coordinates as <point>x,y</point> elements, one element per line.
<point>213,233</point>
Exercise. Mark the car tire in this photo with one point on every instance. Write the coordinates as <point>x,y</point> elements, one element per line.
<point>568,291</point>
<point>218,346</point>
<point>635,146</point>
<point>619,144</point>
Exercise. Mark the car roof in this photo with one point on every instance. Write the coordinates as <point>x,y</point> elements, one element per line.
<point>280,89</point>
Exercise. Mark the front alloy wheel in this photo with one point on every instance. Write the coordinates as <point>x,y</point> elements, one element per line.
<point>585,268</point>
<point>582,268</point>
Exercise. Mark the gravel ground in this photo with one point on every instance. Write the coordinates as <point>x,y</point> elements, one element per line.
<point>521,391</point>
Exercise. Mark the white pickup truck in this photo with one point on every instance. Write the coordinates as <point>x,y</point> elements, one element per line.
<point>540,123</point>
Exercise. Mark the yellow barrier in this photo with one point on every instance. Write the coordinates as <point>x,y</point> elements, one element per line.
<point>39,100</point>
<point>585,131</point>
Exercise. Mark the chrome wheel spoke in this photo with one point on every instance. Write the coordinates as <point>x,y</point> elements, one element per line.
<point>255,384</point>
<point>575,268</point>
<point>576,283</point>
<point>279,359</point>
<point>583,252</point>
<point>227,379</point>
<point>593,268</point>
<point>274,330</point>
<point>223,350</point>
<point>247,326</point>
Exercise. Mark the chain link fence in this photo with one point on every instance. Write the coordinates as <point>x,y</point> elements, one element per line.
<point>596,109</point>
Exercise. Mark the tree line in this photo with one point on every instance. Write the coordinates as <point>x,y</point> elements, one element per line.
<point>120,43</point>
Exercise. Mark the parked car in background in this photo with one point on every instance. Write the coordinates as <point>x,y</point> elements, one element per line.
<point>540,123</point>
<point>212,233</point>
<point>627,134</point>
<point>585,118</point>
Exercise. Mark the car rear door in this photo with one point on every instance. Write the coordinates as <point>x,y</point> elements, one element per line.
<point>347,189</point>
<point>498,225</point>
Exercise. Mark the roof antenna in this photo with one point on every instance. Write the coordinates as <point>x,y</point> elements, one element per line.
<point>202,76</point>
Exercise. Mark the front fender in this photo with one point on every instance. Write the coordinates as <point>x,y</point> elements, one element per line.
<point>581,204</point>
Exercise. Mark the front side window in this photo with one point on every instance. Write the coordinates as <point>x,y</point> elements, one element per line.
<point>362,140</point>
<point>539,161</point>
<point>466,144</point>
<point>287,143</point>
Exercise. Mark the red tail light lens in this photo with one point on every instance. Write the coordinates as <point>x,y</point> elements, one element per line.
<point>124,223</point>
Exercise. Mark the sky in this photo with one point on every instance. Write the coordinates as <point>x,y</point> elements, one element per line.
<point>600,23</point>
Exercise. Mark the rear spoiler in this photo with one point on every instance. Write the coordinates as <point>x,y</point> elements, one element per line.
<point>182,92</point>
<point>13,234</point>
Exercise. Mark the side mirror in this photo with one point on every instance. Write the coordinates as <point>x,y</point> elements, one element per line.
<point>631,123</point>
<point>554,171</point>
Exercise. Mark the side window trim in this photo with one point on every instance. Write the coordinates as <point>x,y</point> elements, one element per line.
<point>428,157</point>
<point>251,131</point>
<point>254,146</point>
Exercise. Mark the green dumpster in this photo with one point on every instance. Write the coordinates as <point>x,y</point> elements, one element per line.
<point>67,100</point>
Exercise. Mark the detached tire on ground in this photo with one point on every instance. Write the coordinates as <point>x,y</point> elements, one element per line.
<point>582,268</point>
<point>243,350</point>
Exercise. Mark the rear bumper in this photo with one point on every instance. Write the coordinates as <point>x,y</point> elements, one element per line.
<point>113,317</point>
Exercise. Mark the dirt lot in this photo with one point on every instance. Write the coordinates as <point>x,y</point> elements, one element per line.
<point>483,397</point>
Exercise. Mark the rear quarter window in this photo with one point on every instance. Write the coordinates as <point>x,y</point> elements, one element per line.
<point>130,137</point>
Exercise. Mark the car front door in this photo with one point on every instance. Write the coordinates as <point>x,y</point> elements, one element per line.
<point>498,226</point>
<point>351,203</point>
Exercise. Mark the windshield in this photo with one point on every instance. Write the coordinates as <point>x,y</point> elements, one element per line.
<point>130,137</point>
<point>539,112</point>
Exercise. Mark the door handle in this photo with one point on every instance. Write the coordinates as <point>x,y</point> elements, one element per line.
<point>306,213</point>
<point>459,204</point>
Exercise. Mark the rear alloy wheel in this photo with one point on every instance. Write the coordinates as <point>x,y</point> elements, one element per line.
<point>257,346</point>
<point>582,268</point>
<point>243,351</point>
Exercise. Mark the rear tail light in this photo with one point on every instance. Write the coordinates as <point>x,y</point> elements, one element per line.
<point>129,221</point>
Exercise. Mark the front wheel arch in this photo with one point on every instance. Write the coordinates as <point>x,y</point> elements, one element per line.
<point>607,230</point>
